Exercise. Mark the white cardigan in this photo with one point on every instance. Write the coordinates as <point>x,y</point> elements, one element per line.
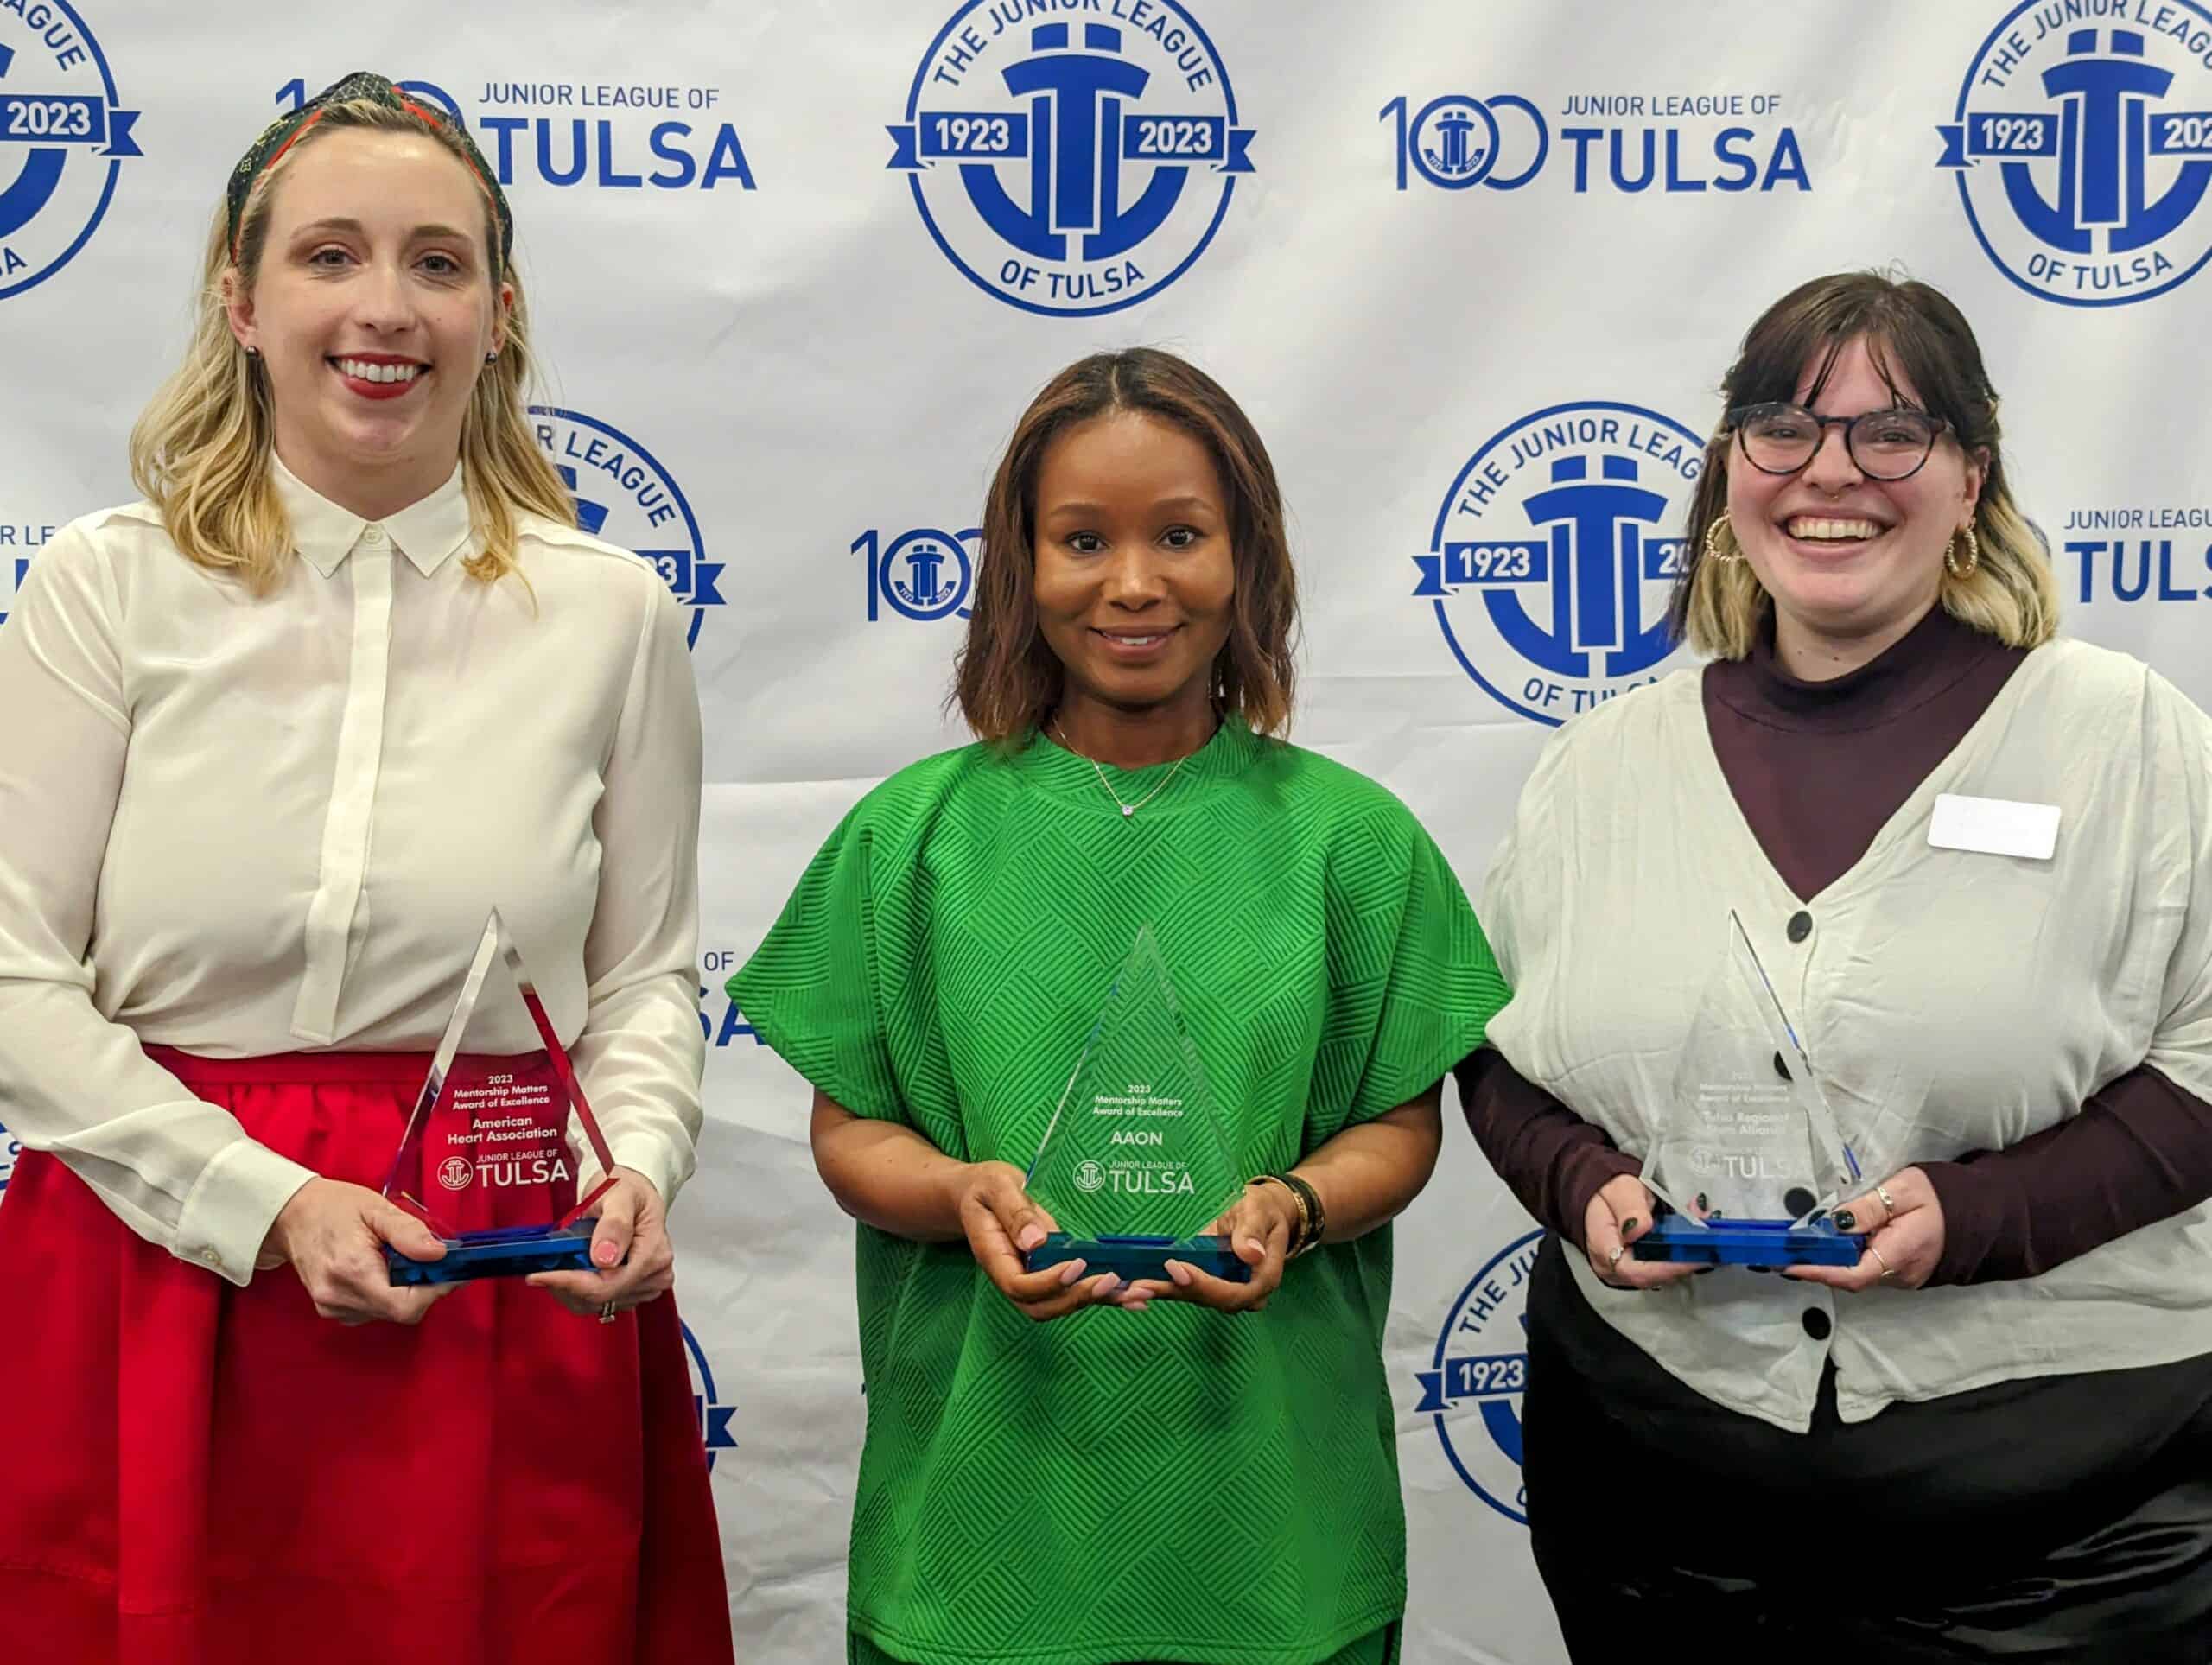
<point>1950,1001</point>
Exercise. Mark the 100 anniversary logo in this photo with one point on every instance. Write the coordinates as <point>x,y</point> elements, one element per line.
<point>1549,563</point>
<point>1072,157</point>
<point>922,574</point>
<point>64,139</point>
<point>2083,155</point>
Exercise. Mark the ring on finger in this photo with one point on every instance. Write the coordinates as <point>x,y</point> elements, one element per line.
<point>607,1314</point>
<point>1889,1203</point>
<point>1613,1255</point>
<point>1880,1260</point>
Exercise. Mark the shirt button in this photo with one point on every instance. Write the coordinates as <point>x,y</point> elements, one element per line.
<point>212,1256</point>
<point>374,536</point>
<point>1801,925</point>
<point>1817,1324</point>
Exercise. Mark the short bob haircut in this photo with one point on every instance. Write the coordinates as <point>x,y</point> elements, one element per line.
<point>1915,335</point>
<point>1006,680</point>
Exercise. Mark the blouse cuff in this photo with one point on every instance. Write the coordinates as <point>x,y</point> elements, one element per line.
<point>646,1153</point>
<point>227,1214</point>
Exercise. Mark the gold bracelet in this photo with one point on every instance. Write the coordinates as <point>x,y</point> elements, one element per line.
<point>1298,1198</point>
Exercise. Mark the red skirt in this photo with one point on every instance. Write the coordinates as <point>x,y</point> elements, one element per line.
<point>196,1474</point>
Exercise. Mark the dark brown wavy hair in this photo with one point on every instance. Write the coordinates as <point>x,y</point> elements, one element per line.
<point>1006,680</point>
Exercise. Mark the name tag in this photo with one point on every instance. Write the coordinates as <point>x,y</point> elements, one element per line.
<point>1993,826</point>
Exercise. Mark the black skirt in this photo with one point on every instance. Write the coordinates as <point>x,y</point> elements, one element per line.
<point>2053,1518</point>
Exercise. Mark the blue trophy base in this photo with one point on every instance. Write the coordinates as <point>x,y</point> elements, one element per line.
<point>508,1252</point>
<point>1749,1243</point>
<point>1135,1257</point>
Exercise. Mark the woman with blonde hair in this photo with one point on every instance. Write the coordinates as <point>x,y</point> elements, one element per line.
<point>1975,864</point>
<point>249,717</point>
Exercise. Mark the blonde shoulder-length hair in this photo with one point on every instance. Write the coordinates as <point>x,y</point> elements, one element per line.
<point>1918,336</point>
<point>201,449</point>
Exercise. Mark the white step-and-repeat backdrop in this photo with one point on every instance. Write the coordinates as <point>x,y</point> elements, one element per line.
<point>798,267</point>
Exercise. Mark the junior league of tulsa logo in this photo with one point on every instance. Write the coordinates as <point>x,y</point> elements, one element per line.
<point>455,1174</point>
<point>626,496</point>
<point>12,569</point>
<point>63,140</point>
<point>714,1416</point>
<point>1071,156</point>
<point>2083,155</point>
<point>1549,563</point>
<point>1471,1391</point>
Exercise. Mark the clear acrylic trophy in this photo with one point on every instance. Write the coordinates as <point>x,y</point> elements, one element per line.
<point>486,1161</point>
<point>1134,1165</point>
<point>1746,1161</point>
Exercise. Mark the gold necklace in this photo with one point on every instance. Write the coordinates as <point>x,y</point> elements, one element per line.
<point>1104,786</point>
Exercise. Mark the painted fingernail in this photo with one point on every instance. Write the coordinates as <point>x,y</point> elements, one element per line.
<point>1071,1271</point>
<point>606,1254</point>
<point>1630,1224</point>
<point>1702,1270</point>
<point>1031,1235</point>
<point>1134,1305</point>
<point>1701,1202</point>
<point>1180,1273</point>
<point>1108,1283</point>
<point>1844,1221</point>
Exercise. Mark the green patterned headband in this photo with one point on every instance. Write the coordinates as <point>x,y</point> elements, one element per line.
<point>282,133</point>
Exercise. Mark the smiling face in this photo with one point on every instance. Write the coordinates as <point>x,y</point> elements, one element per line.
<point>1135,579</point>
<point>1850,559</point>
<point>372,311</point>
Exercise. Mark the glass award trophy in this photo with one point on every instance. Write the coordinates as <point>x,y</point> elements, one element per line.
<point>1134,1165</point>
<point>486,1161</point>
<point>1746,1161</point>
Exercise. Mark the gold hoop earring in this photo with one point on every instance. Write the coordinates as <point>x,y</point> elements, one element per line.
<point>1713,549</point>
<point>1973,553</point>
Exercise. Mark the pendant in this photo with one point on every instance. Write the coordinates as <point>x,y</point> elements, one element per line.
<point>1127,810</point>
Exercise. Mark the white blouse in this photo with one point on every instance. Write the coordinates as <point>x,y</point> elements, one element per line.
<point>1948,1001</point>
<point>244,826</point>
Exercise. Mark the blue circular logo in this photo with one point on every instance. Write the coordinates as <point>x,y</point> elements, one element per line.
<point>1457,142</point>
<point>714,1416</point>
<point>927,574</point>
<point>1472,1387</point>
<point>1550,561</point>
<point>626,496</point>
<point>64,139</point>
<point>1072,167</point>
<point>2083,155</point>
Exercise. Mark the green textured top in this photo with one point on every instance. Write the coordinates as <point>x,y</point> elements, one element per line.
<point>1171,1484</point>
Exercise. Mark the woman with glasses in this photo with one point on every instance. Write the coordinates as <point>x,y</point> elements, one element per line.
<point>1975,864</point>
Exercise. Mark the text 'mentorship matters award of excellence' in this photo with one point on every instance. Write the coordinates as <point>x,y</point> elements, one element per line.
<point>1133,1165</point>
<point>485,1160</point>
<point>1746,1155</point>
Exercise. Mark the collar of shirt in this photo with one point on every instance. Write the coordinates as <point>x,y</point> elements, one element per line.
<point>428,531</point>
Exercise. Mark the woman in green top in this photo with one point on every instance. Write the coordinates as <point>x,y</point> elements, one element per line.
<point>1141,1478</point>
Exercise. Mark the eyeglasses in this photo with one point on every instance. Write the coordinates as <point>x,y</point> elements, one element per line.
<point>1780,438</point>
